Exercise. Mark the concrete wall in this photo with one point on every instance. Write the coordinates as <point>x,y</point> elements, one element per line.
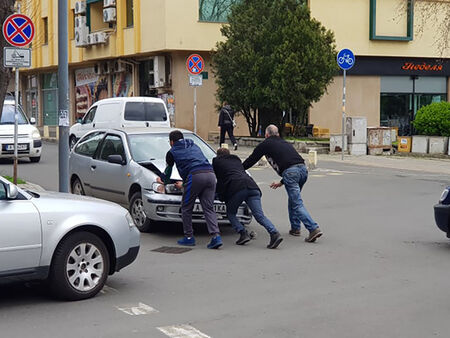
<point>363,99</point>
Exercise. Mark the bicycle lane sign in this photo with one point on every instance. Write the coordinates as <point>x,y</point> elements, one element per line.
<point>346,59</point>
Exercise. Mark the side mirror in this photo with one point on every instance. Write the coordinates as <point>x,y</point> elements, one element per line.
<point>116,159</point>
<point>80,121</point>
<point>11,192</point>
<point>32,120</point>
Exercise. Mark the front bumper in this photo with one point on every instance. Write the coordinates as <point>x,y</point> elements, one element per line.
<point>442,217</point>
<point>127,259</point>
<point>33,148</point>
<point>167,208</point>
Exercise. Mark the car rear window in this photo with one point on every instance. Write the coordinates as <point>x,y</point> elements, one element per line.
<point>145,111</point>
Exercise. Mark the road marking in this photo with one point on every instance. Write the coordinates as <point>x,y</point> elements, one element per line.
<point>315,175</point>
<point>108,289</point>
<point>182,331</point>
<point>335,174</point>
<point>140,309</point>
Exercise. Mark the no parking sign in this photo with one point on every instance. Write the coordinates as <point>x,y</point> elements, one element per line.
<point>18,30</point>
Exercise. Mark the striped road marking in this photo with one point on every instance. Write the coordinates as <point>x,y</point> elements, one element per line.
<point>182,331</point>
<point>140,309</point>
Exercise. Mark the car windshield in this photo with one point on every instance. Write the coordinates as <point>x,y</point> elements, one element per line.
<point>146,147</point>
<point>7,116</point>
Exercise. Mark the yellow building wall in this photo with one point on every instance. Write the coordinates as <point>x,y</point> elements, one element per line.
<point>351,28</point>
<point>363,99</point>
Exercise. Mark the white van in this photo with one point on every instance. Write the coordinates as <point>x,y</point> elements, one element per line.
<point>121,112</point>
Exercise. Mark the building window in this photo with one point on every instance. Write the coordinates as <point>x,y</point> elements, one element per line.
<point>45,31</point>
<point>94,14</point>
<point>215,10</point>
<point>130,11</point>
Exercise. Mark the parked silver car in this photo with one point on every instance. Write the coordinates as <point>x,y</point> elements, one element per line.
<point>75,242</point>
<point>122,165</point>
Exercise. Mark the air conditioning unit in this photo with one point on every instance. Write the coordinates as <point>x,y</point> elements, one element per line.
<point>80,7</point>
<point>109,3</point>
<point>109,15</point>
<point>101,37</point>
<point>80,21</point>
<point>91,39</point>
<point>119,66</point>
<point>157,71</point>
<point>81,36</point>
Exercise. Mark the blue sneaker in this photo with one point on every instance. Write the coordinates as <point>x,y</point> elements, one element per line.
<point>216,242</point>
<point>187,241</point>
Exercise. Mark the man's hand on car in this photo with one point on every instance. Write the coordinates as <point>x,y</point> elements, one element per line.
<point>159,180</point>
<point>179,185</point>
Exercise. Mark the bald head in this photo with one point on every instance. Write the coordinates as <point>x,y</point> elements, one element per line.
<point>272,130</point>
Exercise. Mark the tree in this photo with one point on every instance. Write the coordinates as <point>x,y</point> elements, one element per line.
<point>6,9</point>
<point>435,13</point>
<point>275,58</point>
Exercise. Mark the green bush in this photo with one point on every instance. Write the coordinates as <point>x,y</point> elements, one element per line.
<point>433,120</point>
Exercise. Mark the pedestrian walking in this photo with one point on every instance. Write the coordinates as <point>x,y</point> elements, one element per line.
<point>227,124</point>
<point>235,186</point>
<point>288,163</point>
<point>198,181</point>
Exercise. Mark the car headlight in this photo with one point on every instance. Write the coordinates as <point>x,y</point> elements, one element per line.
<point>445,197</point>
<point>35,135</point>
<point>158,187</point>
<point>130,220</point>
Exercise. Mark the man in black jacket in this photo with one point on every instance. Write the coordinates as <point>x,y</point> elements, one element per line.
<point>291,167</point>
<point>235,186</point>
<point>226,118</point>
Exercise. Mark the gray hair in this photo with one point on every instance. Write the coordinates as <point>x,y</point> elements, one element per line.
<point>272,130</point>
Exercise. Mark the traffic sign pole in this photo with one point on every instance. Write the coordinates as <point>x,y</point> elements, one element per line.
<point>195,109</point>
<point>16,120</point>
<point>343,116</point>
<point>195,65</point>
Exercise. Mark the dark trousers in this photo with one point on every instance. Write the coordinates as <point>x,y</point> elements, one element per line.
<point>201,184</point>
<point>227,128</point>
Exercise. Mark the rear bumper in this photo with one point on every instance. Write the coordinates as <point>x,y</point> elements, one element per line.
<point>442,217</point>
<point>127,259</point>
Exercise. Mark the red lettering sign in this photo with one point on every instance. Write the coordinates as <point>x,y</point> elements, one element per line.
<point>422,66</point>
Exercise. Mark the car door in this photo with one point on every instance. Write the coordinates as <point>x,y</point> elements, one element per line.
<point>20,233</point>
<point>87,124</point>
<point>110,180</point>
<point>81,158</point>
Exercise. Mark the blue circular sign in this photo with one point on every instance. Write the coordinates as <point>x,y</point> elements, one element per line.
<point>346,59</point>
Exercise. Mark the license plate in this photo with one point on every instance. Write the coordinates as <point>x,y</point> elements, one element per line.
<point>219,208</point>
<point>10,147</point>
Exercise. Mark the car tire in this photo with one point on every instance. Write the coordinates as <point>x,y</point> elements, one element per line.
<point>77,187</point>
<point>77,275</point>
<point>142,222</point>
<point>35,159</point>
<point>72,141</point>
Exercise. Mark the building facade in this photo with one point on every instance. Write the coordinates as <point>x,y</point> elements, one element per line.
<point>140,48</point>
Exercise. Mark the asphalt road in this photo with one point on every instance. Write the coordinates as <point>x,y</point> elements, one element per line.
<point>382,269</point>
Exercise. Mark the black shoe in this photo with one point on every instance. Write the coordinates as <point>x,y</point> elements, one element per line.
<point>244,238</point>
<point>235,146</point>
<point>275,240</point>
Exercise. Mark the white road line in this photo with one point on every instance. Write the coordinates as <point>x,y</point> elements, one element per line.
<point>182,331</point>
<point>140,309</point>
<point>107,289</point>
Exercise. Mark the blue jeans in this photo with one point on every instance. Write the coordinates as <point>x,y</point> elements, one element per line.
<point>294,178</point>
<point>253,199</point>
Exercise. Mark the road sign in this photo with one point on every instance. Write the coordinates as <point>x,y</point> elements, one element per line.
<point>195,64</point>
<point>18,30</point>
<point>346,59</point>
<point>16,57</point>
<point>195,80</point>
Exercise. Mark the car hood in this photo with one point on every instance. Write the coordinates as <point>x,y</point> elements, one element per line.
<point>158,167</point>
<point>8,129</point>
<point>49,196</point>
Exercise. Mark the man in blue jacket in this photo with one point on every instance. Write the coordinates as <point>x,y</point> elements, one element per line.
<point>199,181</point>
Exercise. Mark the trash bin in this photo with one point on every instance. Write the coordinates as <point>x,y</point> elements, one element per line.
<point>404,144</point>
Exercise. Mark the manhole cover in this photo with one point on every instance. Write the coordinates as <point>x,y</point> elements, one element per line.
<point>172,250</point>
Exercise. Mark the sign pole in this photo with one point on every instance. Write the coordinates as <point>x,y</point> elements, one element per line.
<point>16,119</point>
<point>195,65</point>
<point>343,116</point>
<point>195,109</point>
<point>63,96</point>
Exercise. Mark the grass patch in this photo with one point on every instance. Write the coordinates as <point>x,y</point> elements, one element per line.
<point>19,180</point>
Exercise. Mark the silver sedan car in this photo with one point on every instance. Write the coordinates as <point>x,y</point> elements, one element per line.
<point>123,166</point>
<point>74,242</point>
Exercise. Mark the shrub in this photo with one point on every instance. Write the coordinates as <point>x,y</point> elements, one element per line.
<point>433,120</point>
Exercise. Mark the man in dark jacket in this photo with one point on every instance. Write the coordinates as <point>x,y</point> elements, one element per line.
<point>235,186</point>
<point>198,181</point>
<point>291,167</point>
<point>226,118</point>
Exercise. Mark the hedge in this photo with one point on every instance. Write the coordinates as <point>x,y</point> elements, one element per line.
<point>433,120</point>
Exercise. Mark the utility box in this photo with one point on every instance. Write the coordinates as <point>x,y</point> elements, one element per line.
<point>404,144</point>
<point>358,149</point>
<point>336,143</point>
<point>420,144</point>
<point>438,145</point>
<point>356,128</point>
<point>379,140</point>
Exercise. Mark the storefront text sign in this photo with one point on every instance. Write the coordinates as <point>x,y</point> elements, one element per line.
<point>85,76</point>
<point>422,66</point>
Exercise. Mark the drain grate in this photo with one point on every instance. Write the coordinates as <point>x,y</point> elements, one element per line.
<point>171,250</point>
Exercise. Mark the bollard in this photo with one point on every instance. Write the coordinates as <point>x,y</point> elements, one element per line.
<point>312,157</point>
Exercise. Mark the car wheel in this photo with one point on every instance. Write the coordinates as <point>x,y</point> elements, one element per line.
<point>72,141</point>
<point>35,159</point>
<point>77,187</point>
<point>137,213</point>
<point>80,267</point>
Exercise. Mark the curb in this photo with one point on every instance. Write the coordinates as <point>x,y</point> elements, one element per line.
<point>31,186</point>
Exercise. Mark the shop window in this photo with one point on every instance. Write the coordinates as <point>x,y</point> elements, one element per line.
<point>215,10</point>
<point>130,13</point>
<point>45,21</point>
